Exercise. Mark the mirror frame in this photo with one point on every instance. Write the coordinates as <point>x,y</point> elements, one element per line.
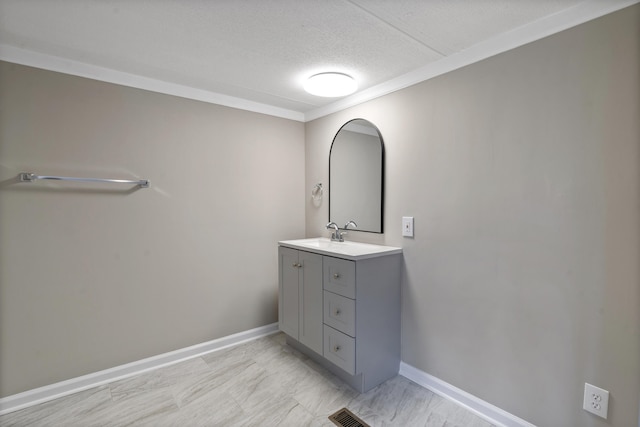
<point>382,175</point>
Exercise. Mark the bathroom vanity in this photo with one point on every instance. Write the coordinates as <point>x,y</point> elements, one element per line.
<point>339,303</point>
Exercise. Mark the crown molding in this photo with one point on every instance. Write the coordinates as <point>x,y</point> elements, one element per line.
<point>517,37</point>
<point>520,36</point>
<point>80,69</point>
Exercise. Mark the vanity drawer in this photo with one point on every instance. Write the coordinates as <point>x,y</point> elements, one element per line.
<point>340,276</point>
<point>340,349</point>
<point>340,313</point>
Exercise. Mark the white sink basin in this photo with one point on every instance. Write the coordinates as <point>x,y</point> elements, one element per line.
<point>348,250</point>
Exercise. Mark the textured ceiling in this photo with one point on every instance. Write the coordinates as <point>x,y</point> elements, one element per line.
<point>262,50</point>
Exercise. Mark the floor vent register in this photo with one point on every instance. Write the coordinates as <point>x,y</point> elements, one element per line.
<point>345,418</point>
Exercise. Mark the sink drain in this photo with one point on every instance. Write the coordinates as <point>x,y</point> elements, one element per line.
<point>345,418</point>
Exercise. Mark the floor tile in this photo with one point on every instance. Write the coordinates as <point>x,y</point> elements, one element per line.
<point>56,412</point>
<point>262,383</point>
<point>160,378</point>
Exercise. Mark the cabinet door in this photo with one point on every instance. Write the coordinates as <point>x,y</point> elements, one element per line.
<point>311,329</point>
<point>288,298</point>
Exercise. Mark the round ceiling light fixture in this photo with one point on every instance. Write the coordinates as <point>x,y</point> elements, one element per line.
<point>330,85</point>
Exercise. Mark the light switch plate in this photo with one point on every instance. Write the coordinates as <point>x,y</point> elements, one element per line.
<point>407,226</point>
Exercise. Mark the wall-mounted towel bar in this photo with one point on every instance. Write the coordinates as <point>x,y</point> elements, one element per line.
<point>30,177</point>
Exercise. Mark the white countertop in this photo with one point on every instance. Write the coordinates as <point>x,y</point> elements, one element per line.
<point>348,250</point>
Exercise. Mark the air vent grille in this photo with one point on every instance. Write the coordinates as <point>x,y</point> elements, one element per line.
<point>345,418</point>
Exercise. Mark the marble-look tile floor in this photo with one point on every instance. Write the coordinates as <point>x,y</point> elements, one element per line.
<point>260,383</point>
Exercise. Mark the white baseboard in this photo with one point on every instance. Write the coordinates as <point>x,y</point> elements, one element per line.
<point>483,409</point>
<point>74,385</point>
<point>39,395</point>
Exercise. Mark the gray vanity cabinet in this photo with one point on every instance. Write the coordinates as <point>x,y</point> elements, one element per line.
<point>300,315</point>
<point>346,310</point>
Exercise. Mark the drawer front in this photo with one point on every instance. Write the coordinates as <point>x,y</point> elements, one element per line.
<point>340,349</point>
<point>340,276</point>
<point>340,313</point>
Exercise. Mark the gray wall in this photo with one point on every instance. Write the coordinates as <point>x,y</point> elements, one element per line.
<point>523,174</point>
<point>522,171</point>
<point>92,276</point>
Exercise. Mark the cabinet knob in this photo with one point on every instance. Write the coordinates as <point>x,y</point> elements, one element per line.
<point>337,312</point>
<point>336,348</point>
<point>297,265</point>
<point>336,275</point>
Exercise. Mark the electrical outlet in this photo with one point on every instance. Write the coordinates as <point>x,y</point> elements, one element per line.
<point>596,400</point>
<point>407,226</point>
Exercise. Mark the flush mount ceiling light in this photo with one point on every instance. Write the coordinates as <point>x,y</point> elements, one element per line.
<point>330,85</point>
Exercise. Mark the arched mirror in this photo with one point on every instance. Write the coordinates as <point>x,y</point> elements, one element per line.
<point>356,174</point>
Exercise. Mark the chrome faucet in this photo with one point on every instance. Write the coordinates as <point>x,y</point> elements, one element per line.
<point>337,235</point>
